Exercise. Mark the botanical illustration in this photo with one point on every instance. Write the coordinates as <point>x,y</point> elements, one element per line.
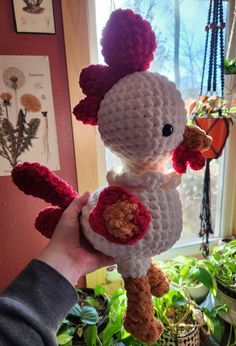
<point>16,139</point>
<point>27,123</point>
<point>33,6</point>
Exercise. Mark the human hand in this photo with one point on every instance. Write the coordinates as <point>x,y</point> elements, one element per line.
<point>68,251</point>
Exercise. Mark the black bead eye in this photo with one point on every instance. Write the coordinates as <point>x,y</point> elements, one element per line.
<point>167,130</point>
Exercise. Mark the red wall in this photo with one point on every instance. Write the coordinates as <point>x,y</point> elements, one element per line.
<point>19,242</point>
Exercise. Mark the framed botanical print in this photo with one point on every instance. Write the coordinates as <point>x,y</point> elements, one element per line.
<point>34,16</point>
<point>27,119</point>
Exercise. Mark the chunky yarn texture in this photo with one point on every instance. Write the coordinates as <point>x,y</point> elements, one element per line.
<point>141,117</point>
<point>158,193</point>
<point>133,113</point>
<point>38,181</point>
<point>128,43</point>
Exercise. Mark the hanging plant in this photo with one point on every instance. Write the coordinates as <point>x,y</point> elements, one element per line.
<point>230,66</point>
<point>211,107</point>
<point>214,115</point>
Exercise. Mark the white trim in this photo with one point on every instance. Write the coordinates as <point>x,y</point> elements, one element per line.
<point>229,196</point>
<point>92,31</point>
<point>219,199</point>
<point>190,249</point>
<point>229,185</point>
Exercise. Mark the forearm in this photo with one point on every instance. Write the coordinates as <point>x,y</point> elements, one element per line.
<point>34,305</point>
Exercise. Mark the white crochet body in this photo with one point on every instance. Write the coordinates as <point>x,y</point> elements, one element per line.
<point>158,193</point>
<point>131,119</point>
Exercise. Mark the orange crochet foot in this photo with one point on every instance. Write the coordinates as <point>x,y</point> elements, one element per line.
<point>139,319</point>
<point>158,281</point>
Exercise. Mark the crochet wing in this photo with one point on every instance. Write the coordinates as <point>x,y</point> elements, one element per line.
<point>119,216</point>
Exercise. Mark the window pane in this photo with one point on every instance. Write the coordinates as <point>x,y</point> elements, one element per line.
<point>179,56</point>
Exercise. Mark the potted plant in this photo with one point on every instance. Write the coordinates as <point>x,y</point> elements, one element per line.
<point>222,264</point>
<point>181,316</point>
<point>230,66</point>
<point>214,115</point>
<point>192,273</point>
<point>85,320</point>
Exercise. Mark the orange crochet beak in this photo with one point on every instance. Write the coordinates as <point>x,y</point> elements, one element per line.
<point>189,151</point>
<point>196,139</point>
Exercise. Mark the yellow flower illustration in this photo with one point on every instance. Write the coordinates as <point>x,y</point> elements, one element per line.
<point>31,103</point>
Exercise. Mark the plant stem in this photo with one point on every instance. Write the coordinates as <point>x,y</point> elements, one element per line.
<point>6,111</point>
<point>230,335</point>
<point>6,156</point>
<point>16,101</point>
<point>99,341</point>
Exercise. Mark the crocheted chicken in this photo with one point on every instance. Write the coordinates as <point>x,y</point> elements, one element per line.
<point>141,118</point>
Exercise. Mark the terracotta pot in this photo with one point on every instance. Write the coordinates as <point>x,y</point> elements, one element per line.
<point>218,129</point>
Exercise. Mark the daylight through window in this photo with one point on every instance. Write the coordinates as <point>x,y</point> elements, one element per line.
<point>179,27</point>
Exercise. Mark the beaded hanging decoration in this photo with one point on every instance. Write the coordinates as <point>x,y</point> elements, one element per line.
<point>214,49</point>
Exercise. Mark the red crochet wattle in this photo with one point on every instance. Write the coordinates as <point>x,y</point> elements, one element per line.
<point>182,157</point>
<point>109,196</point>
<point>47,220</point>
<point>38,181</point>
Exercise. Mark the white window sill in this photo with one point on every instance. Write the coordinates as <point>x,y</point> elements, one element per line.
<point>190,249</point>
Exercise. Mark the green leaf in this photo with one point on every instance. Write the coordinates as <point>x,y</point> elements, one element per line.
<point>110,331</point>
<point>203,276</point>
<point>226,63</point>
<point>219,308</point>
<point>62,339</point>
<point>90,335</point>
<point>89,315</point>
<point>218,330</point>
<point>184,272</point>
<point>179,301</point>
<point>99,290</point>
<point>92,302</point>
<point>232,109</point>
<point>66,328</point>
<point>76,310</point>
<point>118,294</point>
<point>216,325</point>
<point>233,62</point>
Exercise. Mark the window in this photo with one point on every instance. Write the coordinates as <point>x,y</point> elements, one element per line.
<point>179,56</point>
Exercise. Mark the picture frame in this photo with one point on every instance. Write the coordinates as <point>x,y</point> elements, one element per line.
<point>27,117</point>
<point>34,16</point>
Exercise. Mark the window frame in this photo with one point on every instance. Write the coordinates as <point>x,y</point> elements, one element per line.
<point>81,50</point>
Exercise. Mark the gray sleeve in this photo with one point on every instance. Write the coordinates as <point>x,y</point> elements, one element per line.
<point>34,305</point>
